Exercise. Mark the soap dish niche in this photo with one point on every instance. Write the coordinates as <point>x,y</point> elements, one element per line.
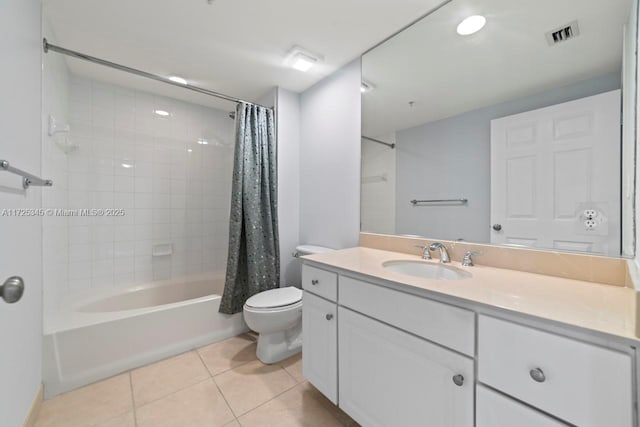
<point>59,134</point>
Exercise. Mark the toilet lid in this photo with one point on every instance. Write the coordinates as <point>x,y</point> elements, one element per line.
<point>273,298</point>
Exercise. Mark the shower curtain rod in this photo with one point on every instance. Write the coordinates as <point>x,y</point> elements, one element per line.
<point>368,138</point>
<point>51,47</point>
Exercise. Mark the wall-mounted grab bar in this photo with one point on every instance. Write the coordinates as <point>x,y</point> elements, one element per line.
<point>27,178</point>
<point>415,202</point>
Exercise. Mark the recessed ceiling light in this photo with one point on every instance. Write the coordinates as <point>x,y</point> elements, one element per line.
<point>161,113</point>
<point>366,87</point>
<point>189,150</point>
<point>203,141</point>
<point>178,80</point>
<point>301,60</point>
<point>471,25</point>
<point>127,165</point>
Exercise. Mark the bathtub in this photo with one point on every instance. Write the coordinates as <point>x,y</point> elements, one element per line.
<point>94,336</point>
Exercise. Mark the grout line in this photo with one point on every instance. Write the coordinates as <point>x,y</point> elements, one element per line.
<point>219,389</point>
<point>133,401</point>
<point>174,392</point>
<point>296,384</point>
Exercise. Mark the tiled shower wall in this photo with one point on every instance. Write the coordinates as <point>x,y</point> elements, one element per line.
<point>174,190</point>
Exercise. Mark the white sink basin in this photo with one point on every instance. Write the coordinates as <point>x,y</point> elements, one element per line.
<point>426,270</point>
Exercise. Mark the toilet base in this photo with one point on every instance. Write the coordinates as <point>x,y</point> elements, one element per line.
<point>277,346</point>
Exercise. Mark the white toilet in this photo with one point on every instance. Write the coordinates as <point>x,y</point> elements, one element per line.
<point>276,315</point>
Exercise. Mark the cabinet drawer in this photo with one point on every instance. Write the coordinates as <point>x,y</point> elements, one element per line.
<point>444,324</point>
<point>578,382</point>
<point>320,282</point>
<point>496,410</point>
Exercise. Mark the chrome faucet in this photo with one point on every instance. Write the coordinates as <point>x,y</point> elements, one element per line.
<point>444,255</point>
<point>425,251</point>
<point>467,261</point>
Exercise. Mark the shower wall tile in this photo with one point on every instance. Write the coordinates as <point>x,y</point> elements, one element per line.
<point>173,189</point>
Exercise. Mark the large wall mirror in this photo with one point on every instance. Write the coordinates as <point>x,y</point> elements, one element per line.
<point>509,135</point>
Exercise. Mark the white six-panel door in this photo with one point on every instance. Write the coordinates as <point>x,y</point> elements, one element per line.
<point>548,166</point>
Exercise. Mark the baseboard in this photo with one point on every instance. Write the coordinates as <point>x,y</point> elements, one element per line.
<point>32,416</point>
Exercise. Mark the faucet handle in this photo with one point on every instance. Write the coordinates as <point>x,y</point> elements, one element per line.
<point>425,251</point>
<point>467,261</point>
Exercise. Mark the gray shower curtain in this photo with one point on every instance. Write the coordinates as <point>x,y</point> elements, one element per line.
<point>253,263</point>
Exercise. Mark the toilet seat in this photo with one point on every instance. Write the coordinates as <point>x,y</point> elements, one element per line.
<point>279,298</point>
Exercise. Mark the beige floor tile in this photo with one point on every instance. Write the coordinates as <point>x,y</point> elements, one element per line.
<point>124,420</point>
<point>338,413</point>
<point>293,366</point>
<point>233,423</point>
<point>88,406</point>
<point>163,378</point>
<point>296,407</point>
<point>253,384</point>
<point>199,405</point>
<point>228,354</point>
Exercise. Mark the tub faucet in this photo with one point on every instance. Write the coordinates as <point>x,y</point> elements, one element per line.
<point>444,255</point>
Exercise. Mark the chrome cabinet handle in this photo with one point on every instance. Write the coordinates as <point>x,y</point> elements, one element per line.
<point>497,227</point>
<point>458,380</point>
<point>329,316</point>
<point>314,282</point>
<point>12,289</point>
<point>537,375</point>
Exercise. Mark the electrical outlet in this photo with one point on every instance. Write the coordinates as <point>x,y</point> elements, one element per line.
<point>590,224</point>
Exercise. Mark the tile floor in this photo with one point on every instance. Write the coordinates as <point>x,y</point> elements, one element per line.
<point>222,384</point>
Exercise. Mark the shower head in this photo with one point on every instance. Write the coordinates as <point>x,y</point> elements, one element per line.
<point>232,115</point>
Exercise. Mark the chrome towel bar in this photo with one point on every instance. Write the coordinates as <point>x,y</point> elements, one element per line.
<point>415,202</point>
<point>27,178</point>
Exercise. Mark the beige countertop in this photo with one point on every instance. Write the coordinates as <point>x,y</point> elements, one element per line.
<point>598,307</point>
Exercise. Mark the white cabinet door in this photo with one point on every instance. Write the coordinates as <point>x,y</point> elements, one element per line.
<point>320,344</point>
<point>497,410</point>
<point>391,378</point>
<point>550,165</point>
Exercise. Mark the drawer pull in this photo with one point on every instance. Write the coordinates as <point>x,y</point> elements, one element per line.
<point>314,282</point>
<point>537,375</point>
<point>329,316</point>
<point>458,380</point>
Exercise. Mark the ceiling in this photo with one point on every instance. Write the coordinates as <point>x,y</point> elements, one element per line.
<point>236,47</point>
<point>445,74</point>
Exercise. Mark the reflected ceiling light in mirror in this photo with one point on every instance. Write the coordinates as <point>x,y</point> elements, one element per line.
<point>203,141</point>
<point>161,113</point>
<point>366,87</point>
<point>301,60</point>
<point>471,25</point>
<point>177,79</point>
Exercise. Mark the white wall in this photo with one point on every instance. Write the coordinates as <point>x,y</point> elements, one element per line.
<point>288,115</point>
<point>21,249</point>
<point>330,159</point>
<point>450,159</point>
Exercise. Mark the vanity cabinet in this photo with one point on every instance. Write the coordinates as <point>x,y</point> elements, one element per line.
<point>390,357</point>
<point>391,378</point>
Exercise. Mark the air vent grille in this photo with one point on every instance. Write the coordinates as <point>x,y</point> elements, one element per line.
<point>564,33</point>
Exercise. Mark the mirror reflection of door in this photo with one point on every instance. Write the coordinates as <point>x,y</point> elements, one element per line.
<point>555,176</point>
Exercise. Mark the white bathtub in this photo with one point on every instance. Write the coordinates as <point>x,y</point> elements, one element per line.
<point>95,336</point>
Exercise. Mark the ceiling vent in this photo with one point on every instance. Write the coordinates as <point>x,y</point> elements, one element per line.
<point>564,33</point>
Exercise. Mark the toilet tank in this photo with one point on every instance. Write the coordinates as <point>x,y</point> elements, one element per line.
<point>303,250</point>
